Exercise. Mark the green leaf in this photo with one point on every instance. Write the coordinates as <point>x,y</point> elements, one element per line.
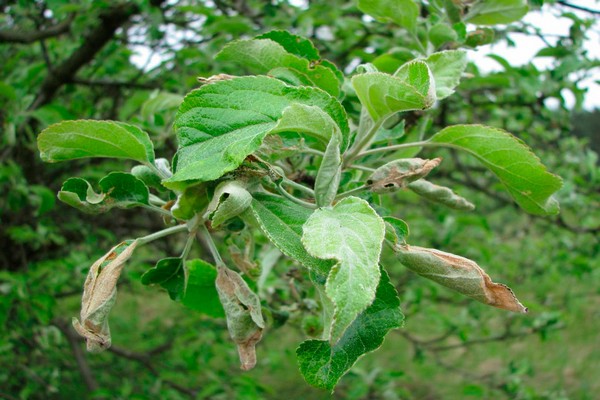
<point>460,274</point>
<point>350,232</point>
<point>200,291</point>
<point>86,138</point>
<point>260,56</point>
<point>309,120</point>
<point>330,171</point>
<point>402,12</point>
<point>192,285</point>
<point>118,189</point>
<point>243,312</point>
<point>384,95</point>
<point>441,34</point>
<point>230,199</point>
<point>447,68</point>
<point>524,176</point>
<point>293,44</point>
<point>222,123</point>
<point>193,200</point>
<point>322,364</point>
<point>148,176</point>
<point>396,230</point>
<point>282,221</point>
<point>440,194</point>
<point>159,102</point>
<point>493,12</point>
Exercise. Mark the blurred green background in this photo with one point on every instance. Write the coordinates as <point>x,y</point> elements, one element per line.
<point>109,60</point>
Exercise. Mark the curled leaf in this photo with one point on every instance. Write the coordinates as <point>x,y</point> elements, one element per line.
<point>398,173</point>
<point>460,274</point>
<point>440,194</point>
<point>99,295</point>
<point>242,310</point>
<point>230,199</point>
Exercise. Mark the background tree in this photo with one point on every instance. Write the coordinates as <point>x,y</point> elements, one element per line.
<point>67,61</point>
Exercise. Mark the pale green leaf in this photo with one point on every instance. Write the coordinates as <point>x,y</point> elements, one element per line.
<point>260,56</point>
<point>159,102</point>
<point>402,12</point>
<point>447,68</point>
<point>309,120</point>
<point>493,12</point>
<point>525,177</point>
<point>222,123</point>
<point>322,364</point>
<point>460,274</point>
<point>327,181</point>
<point>70,140</point>
<point>384,95</point>
<point>293,44</point>
<point>350,232</point>
<point>440,194</point>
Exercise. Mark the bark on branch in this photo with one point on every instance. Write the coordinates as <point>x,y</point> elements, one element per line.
<point>109,21</point>
<point>15,36</point>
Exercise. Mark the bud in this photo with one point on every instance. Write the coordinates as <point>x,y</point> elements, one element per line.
<point>99,295</point>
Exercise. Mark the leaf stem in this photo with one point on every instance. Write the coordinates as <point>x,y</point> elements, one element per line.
<point>364,142</point>
<point>312,151</point>
<point>157,209</point>
<point>212,247</point>
<point>160,234</point>
<point>393,148</point>
<point>298,186</point>
<point>154,199</point>
<point>361,168</point>
<point>296,200</point>
<point>351,192</point>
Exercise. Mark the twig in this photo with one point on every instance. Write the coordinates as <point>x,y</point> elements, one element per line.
<point>18,36</point>
<point>82,364</point>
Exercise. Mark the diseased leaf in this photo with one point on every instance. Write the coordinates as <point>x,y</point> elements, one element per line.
<point>99,296</point>
<point>221,123</point>
<point>330,171</point>
<point>447,68</point>
<point>460,274</point>
<point>70,140</point>
<point>405,13</point>
<point>524,176</point>
<point>322,364</point>
<point>282,221</point>
<point>192,284</point>
<point>350,232</point>
<point>260,56</point>
<point>243,312</point>
<point>229,200</point>
<point>440,194</point>
<point>384,95</point>
<point>494,12</point>
<point>398,173</point>
<point>118,189</point>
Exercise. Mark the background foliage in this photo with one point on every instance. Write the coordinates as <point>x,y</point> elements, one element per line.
<point>66,60</point>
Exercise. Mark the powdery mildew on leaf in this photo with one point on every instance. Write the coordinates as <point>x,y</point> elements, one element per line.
<point>350,232</point>
<point>460,274</point>
<point>99,295</point>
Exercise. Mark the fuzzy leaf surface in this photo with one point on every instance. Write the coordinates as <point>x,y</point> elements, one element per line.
<point>350,232</point>
<point>222,123</point>
<point>322,364</point>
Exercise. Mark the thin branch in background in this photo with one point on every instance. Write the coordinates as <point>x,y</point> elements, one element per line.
<point>578,7</point>
<point>82,364</point>
<point>18,36</point>
<point>112,84</point>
